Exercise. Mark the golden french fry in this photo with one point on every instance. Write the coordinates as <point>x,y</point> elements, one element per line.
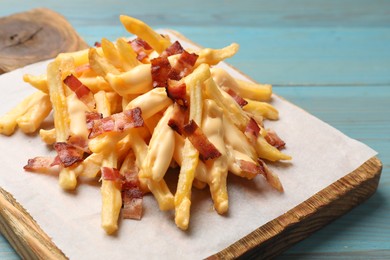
<point>48,136</point>
<point>38,82</point>
<point>111,53</point>
<point>246,89</point>
<point>99,64</point>
<point>161,147</point>
<point>261,109</point>
<point>32,119</point>
<point>127,54</point>
<point>260,92</point>
<point>143,31</point>
<point>214,56</point>
<point>135,81</point>
<point>8,121</point>
<point>189,154</point>
<point>151,102</point>
<point>212,127</point>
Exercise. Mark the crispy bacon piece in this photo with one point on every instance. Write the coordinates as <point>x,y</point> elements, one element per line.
<point>68,154</point>
<point>199,140</point>
<point>132,194</point>
<point>160,70</point>
<point>174,49</point>
<point>271,177</point>
<point>40,164</point>
<point>183,66</point>
<point>240,101</point>
<point>273,139</point>
<point>118,122</point>
<point>97,44</point>
<point>111,174</point>
<point>141,48</point>
<point>90,117</point>
<point>252,128</point>
<point>177,92</point>
<point>79,142</point>
<point>178,119</point>
<point>251,168</point>
<point>81,91</point>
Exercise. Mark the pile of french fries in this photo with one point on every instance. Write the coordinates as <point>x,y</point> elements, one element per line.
<point>117,80</point>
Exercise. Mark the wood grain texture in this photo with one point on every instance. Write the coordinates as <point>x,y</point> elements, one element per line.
<point>279,234</point>
<point>24,234</point>
<point>33,36</point>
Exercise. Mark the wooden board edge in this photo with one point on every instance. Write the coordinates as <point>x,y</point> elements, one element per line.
<point>298,223</point>
<point>23,233</point>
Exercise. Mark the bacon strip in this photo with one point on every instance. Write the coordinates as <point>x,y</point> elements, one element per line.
<point>81,91</point>
<point>178,119</point>
<point>252,128</point>
<point>40,164</point>
<point>177,92</point>
<point>68,154</point>
<point>160,70</point>
<point>273,139</point>
<point>97,44</point>
<point>249,167</point>
<point>140,47</point>
<point>183,66</point>
<point>271,177</point>
<point>110,174</point>
<point>132,195</point>
<point>174,49</point>
<point>199,140</point>
<point>90,116</point>
<point>240,101</point>
<point>117,123</point>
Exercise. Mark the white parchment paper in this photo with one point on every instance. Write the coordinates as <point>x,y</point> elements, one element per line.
<point>321,155</point>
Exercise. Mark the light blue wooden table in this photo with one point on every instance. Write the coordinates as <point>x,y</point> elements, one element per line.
<point>331,58</point>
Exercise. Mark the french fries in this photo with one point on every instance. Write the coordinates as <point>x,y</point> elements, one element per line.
<point>138,108</point>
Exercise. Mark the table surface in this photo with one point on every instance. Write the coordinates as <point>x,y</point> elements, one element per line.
<point>332,58</point>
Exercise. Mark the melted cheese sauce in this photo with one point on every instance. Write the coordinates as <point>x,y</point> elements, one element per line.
<point>76,110</point>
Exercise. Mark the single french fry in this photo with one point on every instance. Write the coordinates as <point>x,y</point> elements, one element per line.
<point>145,32</point>
<point>48,136</point>
<point>32,119</point>
<point>90,166</point>
<point>261,109</point>
<point>231,109</point>
<point>103,105</point>
<point>160,150</point>
<point>137,80</point>
<point>237,140</point>
<point>99,64</point>
<point>58,100</point>
<point>111,53</point>
<point>159,189</point>
<point>127,54</point>
<point>212,116</point>
<point>246,89</point>
<point>96,83</point>
<point>269,152</point>
<point>190,154</point>
<point>214,56</point>
<point>151,102</point>
<point>256,91</point>
<point>38,82</point>
<point>8,121</point>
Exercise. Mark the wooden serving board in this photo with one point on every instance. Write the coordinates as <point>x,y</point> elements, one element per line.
<point>269,240</point>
